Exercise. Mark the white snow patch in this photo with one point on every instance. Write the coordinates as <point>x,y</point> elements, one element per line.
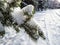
<point>1,27</point>
<point>18,14</point>
<point>9,1</point>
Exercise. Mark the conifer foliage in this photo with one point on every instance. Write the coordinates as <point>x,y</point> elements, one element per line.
<point>6,18</point>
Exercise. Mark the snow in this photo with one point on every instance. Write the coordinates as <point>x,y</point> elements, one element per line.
<point>1,27</point>
<point>9,1</point>
<point>5,5</point>
<point>28,9</point>
<point>49,22</point>
<point>18,14</point>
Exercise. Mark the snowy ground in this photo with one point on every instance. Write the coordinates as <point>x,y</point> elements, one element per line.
<point>50,23</point>
<point>48,20</point>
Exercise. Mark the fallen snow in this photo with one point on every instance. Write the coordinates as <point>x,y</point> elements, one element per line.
<point>18,14</point>
<point>1,27</point>
<point>49,22</point>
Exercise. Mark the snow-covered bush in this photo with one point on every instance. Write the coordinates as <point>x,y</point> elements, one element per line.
<point>14,16</point>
